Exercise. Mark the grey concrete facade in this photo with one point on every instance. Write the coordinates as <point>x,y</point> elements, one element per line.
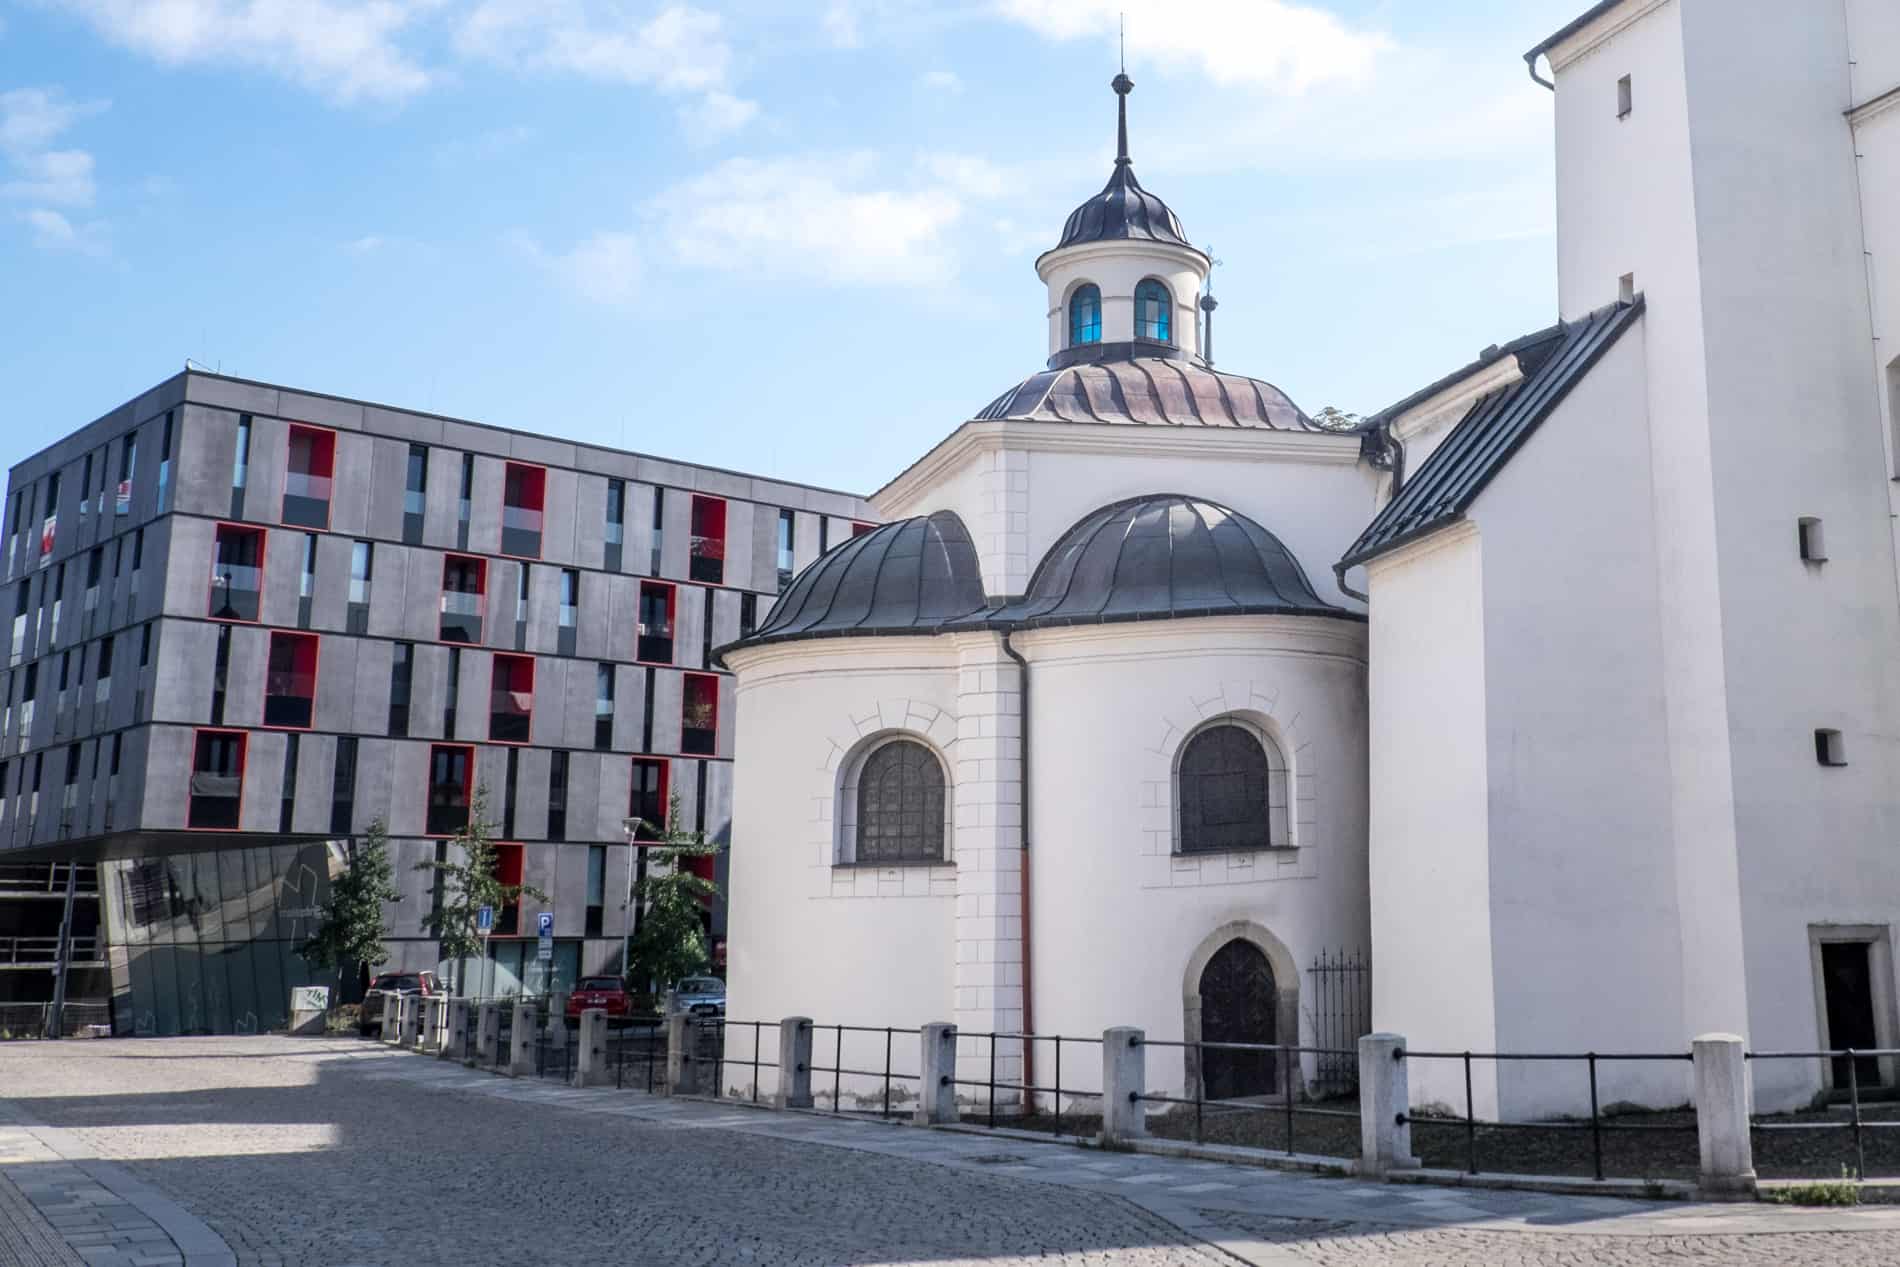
<point>118,664</point>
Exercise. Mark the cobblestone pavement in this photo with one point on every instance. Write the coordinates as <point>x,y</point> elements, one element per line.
<point>343,1153</point>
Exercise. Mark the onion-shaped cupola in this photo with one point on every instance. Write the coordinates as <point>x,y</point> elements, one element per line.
<point>1165,557</point>
<point>1124,279</point>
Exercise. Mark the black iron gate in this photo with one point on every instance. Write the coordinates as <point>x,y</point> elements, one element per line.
<point>1341,1011</point>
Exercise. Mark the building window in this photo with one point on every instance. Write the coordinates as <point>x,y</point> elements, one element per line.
<point>451,691</point>
<point>709,540</point>
<point>464,587</point>
<point>402,674</point>
<point>29,690</point>
<point>237,572</point>
<point>112,782</point>
<point>1085,315</point>
<point>616,532</point>
<point>603,707</point>
<point>1154,312</point>
<point>307,580</point>
<point>648,801</point>
<point>655,631</point>
<point>22,604</point>
<point>165,466</point>
<point>49,526</point>
<point>290,682</point>
<point>102,677</point>
<point>95,566</point>
<point>557,796</point>
<point>362,573</point>
<point>85,490</point>
<point>310,463</point>
<point>508,873</point>
<point>1829,748</point>
<point>128,463</point>
<point>787,526</point>
<point>465,501</point>
<point>287,804</point>
<point>1625,100</point>
<point>570,611</point>
<point>509,783</point>
<point>748,614</point>
<point>217,780</point>
<point>343,787</point>
<point>1232,790</point>
<point>241,465</point>
<point>69,793</point>
<point>596,890</point>
<point>524,491</point>
<point>659,530</point>
<point>511,699</point>
<point>699,714</point>
<point>1810,540</point>
<point>451,768</point>
<point>415,493</point>
<point>895,798</point>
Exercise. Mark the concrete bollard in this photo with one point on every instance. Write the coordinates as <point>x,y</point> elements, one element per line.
<point>682,1069</point>
<point>409,1020</point>
<point>937,1075</point>
<point>434,1023</point>
<point>455,1041</point>
<point>1385,1097</point>
<point>487,1033</point>
<point>1124,1073</point>
<point>1721,1115</point>
<point>794,1063</point>
<point>521,1041</point>
<point>590,1065</point>
<point>392,1018</point>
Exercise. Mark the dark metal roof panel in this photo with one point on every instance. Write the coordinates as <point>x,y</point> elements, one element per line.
<point>1491,431</point>
<point>1147,391</point>
<point>1123,210</point>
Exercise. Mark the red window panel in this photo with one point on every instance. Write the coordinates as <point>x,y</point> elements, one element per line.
<point>309,465</point>
<point>508,865</point>
<point>217,780</point>
<point>708,562</point>
<point>237,573</point>
<point>464,597</point>
<point>451,781</point>
<point>511,699</point>
<point>648,801</point>
<point>290,680</point>
<point>524,491</point>
<point>699,714</point>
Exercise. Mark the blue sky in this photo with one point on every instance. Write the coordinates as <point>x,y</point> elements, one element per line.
<point>791,238</point>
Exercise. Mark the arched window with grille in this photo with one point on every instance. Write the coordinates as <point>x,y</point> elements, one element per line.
<point>1231,791</point>
<point>1085,315</point>
<point>895,805</point>
<point>1154,312</point>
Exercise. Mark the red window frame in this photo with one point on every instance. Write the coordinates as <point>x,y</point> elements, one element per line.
<point>468,785</point>
<point>665,768</point>
<point>672,619</point>
<point>533,478</point>
<point>709,683</point>
<point>510,864</point>
<point>518,683</point>
<point>323,456</point>
<point>302,640</point>
<point>859,529</point>
<point>481,594</point>
<point>706,523</point>
<point>211,594</point>
<point>243,756</point>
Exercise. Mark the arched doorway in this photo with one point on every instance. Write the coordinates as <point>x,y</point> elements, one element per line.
<point>1239,1004</point>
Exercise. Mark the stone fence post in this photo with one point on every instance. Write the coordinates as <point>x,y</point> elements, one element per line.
<point>521,1041</point>
<point>487,1033</point>
<point>682,1069</point>
<point>1721,1115</point>
<point>1124,1071</point>
<point>1385,1100</point>
<point>392,1018</point>
<point>591,1068</point>
<point>794,1063</point>
<point>434,1023</point>
<point>937,1075</point>
<point>455,1042</point>
<point>409,1020</point>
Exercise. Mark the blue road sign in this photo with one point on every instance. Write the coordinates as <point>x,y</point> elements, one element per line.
<point>545,923</point>
<point>485,920</point>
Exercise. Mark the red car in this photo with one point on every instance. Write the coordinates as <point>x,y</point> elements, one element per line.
<point>602,992</point>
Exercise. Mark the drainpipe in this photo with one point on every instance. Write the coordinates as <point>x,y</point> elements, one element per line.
<point>1029,1048</point>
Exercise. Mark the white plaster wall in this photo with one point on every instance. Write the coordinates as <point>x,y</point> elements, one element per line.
<point>1429,833</point>
<point>1115,915</point>
<point>1873,28</point>
<point>1117,267</point>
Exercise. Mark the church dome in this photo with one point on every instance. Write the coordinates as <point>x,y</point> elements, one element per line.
<point>1125,387</point>
<point>1157,557</point>
<point>908,576</point>
<point>1123,210</point>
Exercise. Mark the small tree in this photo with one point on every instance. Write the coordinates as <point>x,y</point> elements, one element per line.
<point>468,884</point>
<point>1331,419</point>
<point>671,941</point>
<point>351,930</point>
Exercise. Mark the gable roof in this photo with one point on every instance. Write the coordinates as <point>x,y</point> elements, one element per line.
<point>1553,361</point>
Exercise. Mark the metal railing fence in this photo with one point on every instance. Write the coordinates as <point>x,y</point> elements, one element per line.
<point>1287,1057</point>
<point>1846,1060</point>
<point>1029,1092</point>
<point>838,1069</point>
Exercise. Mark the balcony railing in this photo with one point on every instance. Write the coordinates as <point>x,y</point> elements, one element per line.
<point>307,500</point>
<point>43,952</point>
<point>521,531</point>
<point>709,560</point>
<point>461,617</point>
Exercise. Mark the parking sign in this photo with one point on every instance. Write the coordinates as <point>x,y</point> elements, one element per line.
<point>485,920</point>
<point>545,923</point>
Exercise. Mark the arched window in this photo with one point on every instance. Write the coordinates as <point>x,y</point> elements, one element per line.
<point>1154,312</point>
<point>1085,315</point>
<point>900,805</point>
<point>1232,791</point>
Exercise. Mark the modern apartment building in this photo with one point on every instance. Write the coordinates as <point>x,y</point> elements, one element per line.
<point>246,621</point>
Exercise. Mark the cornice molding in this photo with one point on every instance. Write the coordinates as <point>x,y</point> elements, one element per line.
<point>1602,31</point>
<point>1110,248</point>
<point>1457,399</point>
<point>1866,112</point>
<point>1453,533</point>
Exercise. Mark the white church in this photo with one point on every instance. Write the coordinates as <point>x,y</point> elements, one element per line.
<point>1567,688</point>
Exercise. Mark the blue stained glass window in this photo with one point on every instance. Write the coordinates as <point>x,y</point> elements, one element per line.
<point>1085,315</point>
<point>1154,309</point>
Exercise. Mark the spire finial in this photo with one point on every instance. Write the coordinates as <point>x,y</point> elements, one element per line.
<point>1122,85</point>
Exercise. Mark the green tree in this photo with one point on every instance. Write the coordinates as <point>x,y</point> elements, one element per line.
<point>468,884</point>
<point>351,930</point>
<point>1331,419</point>
<point>671,942</point>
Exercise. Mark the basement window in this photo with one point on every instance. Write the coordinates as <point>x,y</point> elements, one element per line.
<point>1623,100</point>
<point>1809,536</point>
<point>1828,748</point>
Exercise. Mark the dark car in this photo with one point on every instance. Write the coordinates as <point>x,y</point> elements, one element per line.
<point>370,1018</point>
<point>607,993</point>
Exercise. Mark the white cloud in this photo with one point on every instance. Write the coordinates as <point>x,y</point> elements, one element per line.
<point>605,268</point>
<point>1285,47</point>
<point>345,49</point>
<point>31,120</point>
<point>716,114</point>
<point>54,232</point>
<point>942,81</point>
<point>840,25</point>
<point>364,245</point>
<point>60,177</point>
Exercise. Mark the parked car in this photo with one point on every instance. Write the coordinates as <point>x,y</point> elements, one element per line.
<point>702,996</point>
<point>607,993</point>
<point>370,1019</point>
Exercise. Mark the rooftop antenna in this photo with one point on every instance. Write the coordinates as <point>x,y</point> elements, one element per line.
<point>1208,304</point>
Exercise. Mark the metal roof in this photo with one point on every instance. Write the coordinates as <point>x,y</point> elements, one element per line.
<point>1493,429</point>
<point>1123,210</point>
<point>1150,390</point>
